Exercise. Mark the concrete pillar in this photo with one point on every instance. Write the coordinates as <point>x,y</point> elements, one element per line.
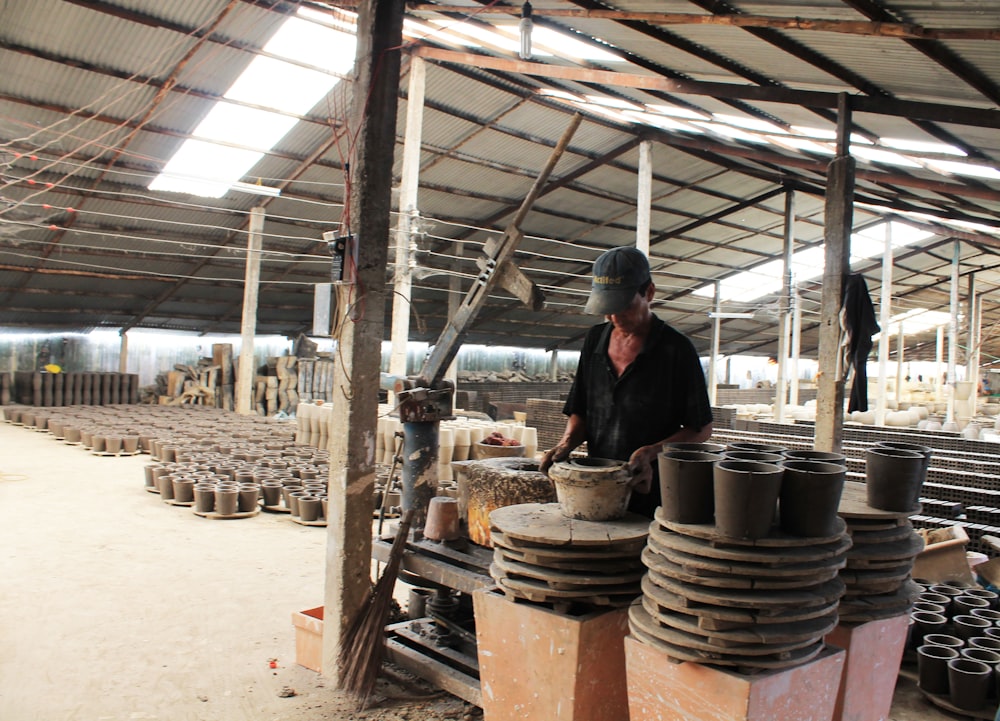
<point>248,327</point>
<point>644,196</point>
<point>885,311</point>
<point>783,315</point>
<point>953,329</point>
<point>713,384</point>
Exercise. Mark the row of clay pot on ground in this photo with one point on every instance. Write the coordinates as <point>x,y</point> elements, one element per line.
<point>228,494</point>
<point>743,487</point>
<point>956,634</point>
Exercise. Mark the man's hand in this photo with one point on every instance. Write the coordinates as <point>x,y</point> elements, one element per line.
<point>641,467</point>
<point>553,455</point>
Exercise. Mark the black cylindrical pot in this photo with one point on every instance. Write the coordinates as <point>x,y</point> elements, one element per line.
<point>703,447</point>
<point>811,455</point>
<point>686,486</point>
<point>810,497</point>
<point>893,478</point>
<point>746,497</point>
<point>932,667</point>
<point>968,683</point>
<point>966,627</point>
<point>751,446</point>
<point>964,605</point>
<point>924,451</point>
<point>943,639</point>
<point>760,456</point>
<point>925,623</point>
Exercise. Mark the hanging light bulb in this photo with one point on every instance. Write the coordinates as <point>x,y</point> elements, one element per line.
<point>525,27</point>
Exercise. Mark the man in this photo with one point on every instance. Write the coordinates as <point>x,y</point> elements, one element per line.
<point>639,382</point>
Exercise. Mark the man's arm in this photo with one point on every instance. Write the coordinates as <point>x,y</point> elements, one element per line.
<point>574,435</point>
<point>641,462</point>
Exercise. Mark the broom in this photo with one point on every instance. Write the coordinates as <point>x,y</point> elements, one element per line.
<point>363,646</point>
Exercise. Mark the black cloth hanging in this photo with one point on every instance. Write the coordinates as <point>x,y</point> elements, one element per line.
<point>857,318</point>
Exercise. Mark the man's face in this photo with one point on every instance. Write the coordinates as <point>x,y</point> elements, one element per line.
<point>630,319</point>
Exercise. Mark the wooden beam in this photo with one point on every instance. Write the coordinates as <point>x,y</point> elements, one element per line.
<point>961,115</point>
<point>849,27</point>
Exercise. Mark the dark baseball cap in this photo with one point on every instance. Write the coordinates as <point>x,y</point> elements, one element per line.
<point>618,275</point>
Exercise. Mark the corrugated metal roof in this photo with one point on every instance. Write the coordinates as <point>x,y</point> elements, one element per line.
<point>486,134</point>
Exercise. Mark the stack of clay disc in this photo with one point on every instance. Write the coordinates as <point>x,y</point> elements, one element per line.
<point>753,604</point>
<point>541,555</point>
<point>877,575</point>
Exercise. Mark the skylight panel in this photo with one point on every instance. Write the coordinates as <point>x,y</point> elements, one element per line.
<point>191,169</point>
<point>488,36</point>
<point>882,156</point>
<point>817,133</point>
<point>678,112</point>
<point>808,264</point>
<point>565,45</point>
<point>729,132</point>
<point>209,169</point>
<point>794,143</point>
<point>917,146</point>
<point>749,123</point>
<point>249,127</point>
<point>613,102</point>
<point>420,31</point>
<point>956,168</point>
<point>659,121</point>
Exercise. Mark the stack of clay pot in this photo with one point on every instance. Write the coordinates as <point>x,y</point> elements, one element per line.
<point>743,556</point>
<point>956,636</point>
<point>879,564</point>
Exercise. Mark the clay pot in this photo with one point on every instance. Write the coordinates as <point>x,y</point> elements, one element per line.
<point>943,639</point>
<point>925,623</point>
<point>686,489</point>
<point>309,508</point>
<point>893,478</point>
<point>249,497</point>
<point>271,490</point>
<point>702,447</point>
<point>988,613</point>
<point>294,498</point>
<point>924,451</point>
<point>759,447</point>
<point>929,607</point>
<point>993,644</point>
<point>964,604</point>
<point>286,493</point>
<point>760,456</point>
<point>992,596</point>
<point>166,485</point>
<point>968,626</point>
<point>482,451</point>
<point>442,519</point>
<point>183,489</point>
<point>968,683</point>
<point>943,590</point>
<point>810,497</point>
<point>811,455</point>
<point>592,489</point>
<point>227,500</point>
<point>746,496</point>
<point>204,498</point>
<point>932,667</point>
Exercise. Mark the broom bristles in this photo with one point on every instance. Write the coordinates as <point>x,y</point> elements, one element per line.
<point>363,647</point>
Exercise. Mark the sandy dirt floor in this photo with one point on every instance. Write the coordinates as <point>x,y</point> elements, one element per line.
<point>117,607</point>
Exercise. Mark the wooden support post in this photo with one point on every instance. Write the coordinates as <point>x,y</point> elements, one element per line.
<point>839,215</point>
<point>793,388</point>
<point>355,397</point>
<point>245,384</point>
<point>885,312</point>
<point>953,331</point>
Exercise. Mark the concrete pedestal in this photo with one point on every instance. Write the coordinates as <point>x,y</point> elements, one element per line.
<point>874,652</point>
<point>537,664</point>
<point>661,689</point>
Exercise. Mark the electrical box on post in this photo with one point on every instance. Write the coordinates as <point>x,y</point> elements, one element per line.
<point>344,253</point>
